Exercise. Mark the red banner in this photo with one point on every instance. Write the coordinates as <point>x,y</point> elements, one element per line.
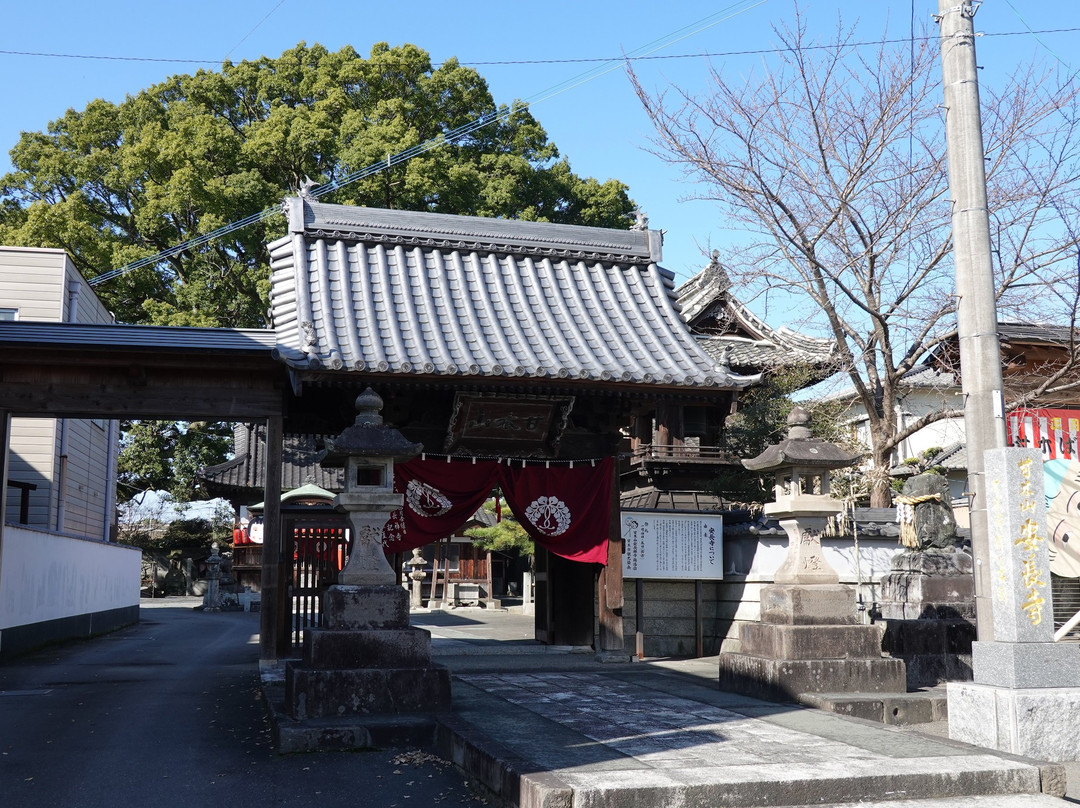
<point>440,497</point>
<point>1053,432</point>
<point>565,509</point>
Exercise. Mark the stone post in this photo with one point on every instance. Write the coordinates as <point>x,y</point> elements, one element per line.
<point>417,576</point>
<point>1025,697</point>
<point>212,598</point>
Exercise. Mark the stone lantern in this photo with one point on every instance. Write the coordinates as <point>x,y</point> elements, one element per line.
<point>367,450</point>
<point>808,639</point>
<point>365,664</point>
<point>801,464</point>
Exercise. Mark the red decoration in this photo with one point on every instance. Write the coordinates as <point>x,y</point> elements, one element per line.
<point>440,497</point>
<point>565,509</point>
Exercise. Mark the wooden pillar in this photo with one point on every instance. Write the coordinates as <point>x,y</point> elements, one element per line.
<point>274,642</point>
<point>610,583</point>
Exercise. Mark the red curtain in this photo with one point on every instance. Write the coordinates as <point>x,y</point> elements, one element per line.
<point>440,497</point>
<point>566,510</point>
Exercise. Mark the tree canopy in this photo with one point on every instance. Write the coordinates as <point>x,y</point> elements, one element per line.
<point>832,162</point>
<point>115,183</point>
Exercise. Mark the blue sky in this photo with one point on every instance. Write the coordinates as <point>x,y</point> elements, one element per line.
<point>597,124</point>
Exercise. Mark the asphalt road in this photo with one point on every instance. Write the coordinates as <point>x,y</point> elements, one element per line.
<point>168,713</point>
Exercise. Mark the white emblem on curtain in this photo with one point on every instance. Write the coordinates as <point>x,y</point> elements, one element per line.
<point>550,515</point>
<point>426,500</point>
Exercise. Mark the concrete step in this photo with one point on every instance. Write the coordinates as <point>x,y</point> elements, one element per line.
<point>900,709</point>
<point>996,801</point>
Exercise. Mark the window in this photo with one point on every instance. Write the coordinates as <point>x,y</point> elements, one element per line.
<point>8,315</point>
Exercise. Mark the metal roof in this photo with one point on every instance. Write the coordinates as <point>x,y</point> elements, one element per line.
<point>423,294</point>
<point>136,337</point>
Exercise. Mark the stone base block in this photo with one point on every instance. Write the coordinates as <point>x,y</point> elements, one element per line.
<point>933,562</point>
<point>934,651</point>
<point>916,589</point>
<point>927,610</point>
<point>897,709</point>
<point>352,733</point>
<point>1026,664</point>
<point>366,691</point>
<point>810,642</point>
<point>785,679</point>
<point>365,607</point>
<point>338,649</point>
<point>808,604</point>
<point>1038,723</point>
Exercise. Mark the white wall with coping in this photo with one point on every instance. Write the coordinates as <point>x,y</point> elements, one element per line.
<point>750,561</point>
<point>47,576</point>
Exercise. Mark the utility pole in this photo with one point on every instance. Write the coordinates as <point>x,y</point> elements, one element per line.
<point>980,352</point>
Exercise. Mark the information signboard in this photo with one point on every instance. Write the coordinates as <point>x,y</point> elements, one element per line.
<point>685,546</point>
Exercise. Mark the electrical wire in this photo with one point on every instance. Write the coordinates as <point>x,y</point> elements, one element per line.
<point>441,140</point>
<point>254,29</point>
<point>581,60</point>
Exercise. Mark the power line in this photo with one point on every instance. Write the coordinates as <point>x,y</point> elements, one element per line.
<point>255,28</point>
<point>441,140</point>
<point>581,60</point>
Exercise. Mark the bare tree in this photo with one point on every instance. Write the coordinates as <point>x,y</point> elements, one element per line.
<point>832,162</point>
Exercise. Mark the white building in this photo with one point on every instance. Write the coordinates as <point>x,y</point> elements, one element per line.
<point>61,575</point>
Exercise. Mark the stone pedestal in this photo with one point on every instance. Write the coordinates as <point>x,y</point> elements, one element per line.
<point>928,609</point>
<point>809,641</point>
<point>366,663</point>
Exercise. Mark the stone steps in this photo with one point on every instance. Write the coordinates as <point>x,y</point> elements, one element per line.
<point>899,709</point>
<point>994,801</point>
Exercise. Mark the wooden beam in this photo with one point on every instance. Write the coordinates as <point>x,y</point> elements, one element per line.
<point>610,581</point>
<point>273,617</point>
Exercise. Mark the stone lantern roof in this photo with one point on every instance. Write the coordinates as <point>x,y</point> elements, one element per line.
<point>368,436</point>
<point>800,449</point>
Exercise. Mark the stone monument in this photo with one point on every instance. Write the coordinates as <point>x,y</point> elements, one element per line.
<point>365,668</point>
<point>1025,697</point>
<point>416,576</point>
<point>928,598</point>
<point>212,598</point>
<point>809,639</point>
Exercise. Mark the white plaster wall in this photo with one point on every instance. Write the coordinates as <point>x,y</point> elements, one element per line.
<point>45,576</point>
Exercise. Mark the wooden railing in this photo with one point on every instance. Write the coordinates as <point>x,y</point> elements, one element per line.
<point>676,451</point>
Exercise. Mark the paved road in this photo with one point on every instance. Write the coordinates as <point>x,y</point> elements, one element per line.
<point>167,712</point>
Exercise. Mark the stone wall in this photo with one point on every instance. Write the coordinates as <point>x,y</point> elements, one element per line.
<point>669,614</point>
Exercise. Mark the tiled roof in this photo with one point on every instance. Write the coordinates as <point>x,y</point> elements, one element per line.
<point>245,472</point>
<point>361,289</point>
<point>928,374</point>
<point>1036,333</point>
<point>751,342</point>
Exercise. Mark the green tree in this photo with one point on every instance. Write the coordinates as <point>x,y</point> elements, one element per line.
<point>115,183</point>
<point>505,536</point>
<point>167,456</point>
